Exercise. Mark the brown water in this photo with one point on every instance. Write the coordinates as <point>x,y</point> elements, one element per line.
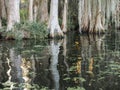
<point>78,62</point>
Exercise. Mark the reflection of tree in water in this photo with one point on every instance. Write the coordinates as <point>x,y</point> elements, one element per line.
<point>92,47</point>
<point>28,72</point>
<point>21,67</point>
<point>3,65</point>
<point>99,62</point>
<point>80,58</point>
<point>14,71</point>
<point>54,49</point>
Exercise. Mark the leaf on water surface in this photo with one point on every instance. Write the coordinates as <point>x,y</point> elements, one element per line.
<point>75,88</point>
<point>80,58</point>
<point>65,74</point>
<point>28,51</point>
<point>89,72</point>
<point>38,46</point>
<point>67,78</point>
<point>72,68</point>
<point>101,78</point>
<point>79,78</point>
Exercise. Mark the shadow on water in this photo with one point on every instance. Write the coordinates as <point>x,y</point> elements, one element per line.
<point>78,62</point>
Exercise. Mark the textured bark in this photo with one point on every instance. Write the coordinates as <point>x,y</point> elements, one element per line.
<point>4,8</point>
<point>30,17</point>
<point>64,22</point>
<point>95,16</point>
<point>13,13</point>
<point>98,25</point>
<point>117,14</point>
<point>85,17</point>
<point>91,16</point>
<point>53,21</point>
<point>103,4</point>
<point>0,13</point>
<point>43,11</point>
<point>80,15</point>
<point>35,10</point>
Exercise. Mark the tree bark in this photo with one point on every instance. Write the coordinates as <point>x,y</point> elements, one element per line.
<point>64,23</point>
<point>80,14</point>
<point>30,17</point>
<point>91,16</point>
<point>98,25</point>
<point>53,21</point>
<point>13,13</point>
<point>43,11</point>
<point>35,10</point>
<point>4,9</point>
<point>0,14</point>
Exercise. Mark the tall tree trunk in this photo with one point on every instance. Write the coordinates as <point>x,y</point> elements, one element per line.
<point>117,14</point>
<point>43,11</point>
<point>0,13</point>
<point>80,14</point>
<point>53,21</point>
<point>30,17</point>
<point>35,10</point>
<point>64,23</point>
<point>91,18</point>
<point>98,24</point>
<point>4,9</point>
<point>103,4</point>
<point>107,12</point>
<point>60,8</point>
<point>85,17</point>
<point>13,13</point>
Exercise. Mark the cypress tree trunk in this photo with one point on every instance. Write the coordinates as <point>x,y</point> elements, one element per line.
<point>4,9</point>
<point>85,17</point>
<point>64,22</point>
<point>30,16</point>
<point>54,27</point>
<point>80,14</point>
<point>92,16</point>
<point>13,13</point>
<point>0,14</point>
<point>98,23</point>
<point>43,11</point>
<point>35,10</point>
<point>97,15</point>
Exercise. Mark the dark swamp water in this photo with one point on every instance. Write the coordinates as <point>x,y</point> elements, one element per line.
<point>78,62</point>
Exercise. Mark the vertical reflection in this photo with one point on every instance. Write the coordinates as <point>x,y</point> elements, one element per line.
<point>28,69</point>
<point>92,47</point>
<point>14,72</point>
<point>65,52</point>
<point>54,49</point>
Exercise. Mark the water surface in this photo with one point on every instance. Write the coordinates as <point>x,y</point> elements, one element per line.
<point>78,62</point>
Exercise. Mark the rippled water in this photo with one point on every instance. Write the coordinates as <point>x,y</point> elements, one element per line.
<point>78,62</point>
